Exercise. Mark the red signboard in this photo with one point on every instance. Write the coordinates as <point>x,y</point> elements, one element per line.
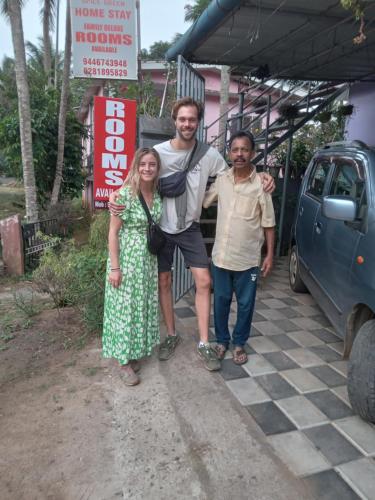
<point>114,145</point>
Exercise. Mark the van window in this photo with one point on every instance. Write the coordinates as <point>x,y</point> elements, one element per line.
<point>348,179</point>
<point>318,178</point>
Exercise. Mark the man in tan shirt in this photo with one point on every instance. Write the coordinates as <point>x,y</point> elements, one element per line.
<point>245,216</point>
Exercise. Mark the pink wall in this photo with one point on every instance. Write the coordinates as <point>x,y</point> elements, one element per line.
<point>212,78</point>
<point>212,100</point>
<point>361,124</point>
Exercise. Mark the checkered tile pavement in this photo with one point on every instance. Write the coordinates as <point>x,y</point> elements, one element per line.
<point>294,386</point>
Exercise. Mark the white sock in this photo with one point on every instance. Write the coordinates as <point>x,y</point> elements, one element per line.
<point>203,344</point>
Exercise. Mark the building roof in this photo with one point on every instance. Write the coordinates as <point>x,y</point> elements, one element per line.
<point>291,39</point>
<point>163,66</point>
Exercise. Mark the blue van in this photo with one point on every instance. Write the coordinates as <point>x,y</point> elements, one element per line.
<point>332,255</point>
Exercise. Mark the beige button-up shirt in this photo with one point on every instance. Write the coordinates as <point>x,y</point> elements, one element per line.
<point>244,209</point>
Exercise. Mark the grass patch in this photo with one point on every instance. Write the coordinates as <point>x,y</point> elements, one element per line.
<point>12,201</point>
<point>25,303</point>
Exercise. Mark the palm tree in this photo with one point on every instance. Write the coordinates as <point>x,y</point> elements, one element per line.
<point>192,12</point>
<point>12,10</point>
<point>63,108</point>
<point>8,89</point>
<point>35,61</point>
<point>48,15</point>
<point>224,99</point>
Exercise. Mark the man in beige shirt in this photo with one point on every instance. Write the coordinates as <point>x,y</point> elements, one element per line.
<point>245,216</point>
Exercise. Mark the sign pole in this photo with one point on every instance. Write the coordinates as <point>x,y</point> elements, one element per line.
<point>139,60</point>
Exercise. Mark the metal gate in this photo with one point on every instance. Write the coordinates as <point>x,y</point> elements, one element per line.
<point>189,83</point>
<point>33,242</point>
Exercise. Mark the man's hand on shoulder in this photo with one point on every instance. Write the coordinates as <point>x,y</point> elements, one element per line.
<point>268,182</point>
<point>113,207</point>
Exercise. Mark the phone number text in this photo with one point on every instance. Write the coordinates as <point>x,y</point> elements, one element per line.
<point>113,63</point>
<point>105,71</point>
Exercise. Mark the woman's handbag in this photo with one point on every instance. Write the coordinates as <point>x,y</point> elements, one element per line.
<point>155,237</point>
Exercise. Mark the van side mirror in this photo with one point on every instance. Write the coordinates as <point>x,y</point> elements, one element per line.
<point>339,208</point>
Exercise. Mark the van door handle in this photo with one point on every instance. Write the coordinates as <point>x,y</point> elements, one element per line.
<point>318,227</point>
<point>301,211</point>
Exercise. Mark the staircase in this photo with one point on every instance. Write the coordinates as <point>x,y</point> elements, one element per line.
<point>304,99</point>
<point>307,99</point>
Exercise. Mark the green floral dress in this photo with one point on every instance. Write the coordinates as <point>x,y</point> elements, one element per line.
<point>131,311</point>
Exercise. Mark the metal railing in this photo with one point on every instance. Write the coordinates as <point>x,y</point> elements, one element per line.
<point>33,243</point>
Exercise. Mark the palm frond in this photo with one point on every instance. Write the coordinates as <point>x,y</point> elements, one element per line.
<point>48,8</point>
<point>4,6</point>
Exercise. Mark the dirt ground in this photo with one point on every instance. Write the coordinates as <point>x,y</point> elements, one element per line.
<point>50,400</point>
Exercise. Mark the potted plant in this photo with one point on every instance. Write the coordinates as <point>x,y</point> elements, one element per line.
<point>288,111</point>
<point>324,116</point>
<point>345,110</point>
<point>260,105</point>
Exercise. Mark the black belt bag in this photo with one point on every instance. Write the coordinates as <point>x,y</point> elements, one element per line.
<point>175,184</point>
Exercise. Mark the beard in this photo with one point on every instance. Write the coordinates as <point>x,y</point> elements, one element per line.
<point>186,135</point>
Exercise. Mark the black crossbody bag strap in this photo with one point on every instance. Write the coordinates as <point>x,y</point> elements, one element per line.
<point>192,156</point>
<point>145,208</point>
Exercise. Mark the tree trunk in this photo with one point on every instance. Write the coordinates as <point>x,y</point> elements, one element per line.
<point>47,49</point>
<point>15,17</point>
<point>224,99</point>
<point>63,109</point>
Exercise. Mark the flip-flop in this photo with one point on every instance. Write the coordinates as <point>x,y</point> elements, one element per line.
<point>220,350</point>
<point>239,356</point>
<point>129,377</point>
<point>136,365</point>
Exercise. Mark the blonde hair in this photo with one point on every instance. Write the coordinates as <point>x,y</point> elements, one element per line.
<point>133,179</point>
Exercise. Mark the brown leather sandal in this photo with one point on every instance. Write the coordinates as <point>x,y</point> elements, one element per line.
<point>239,355</point>
<point>129,377</point>
<point>220,350</point>
<point>136,365</point>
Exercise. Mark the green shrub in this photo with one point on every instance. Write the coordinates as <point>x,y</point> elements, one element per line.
<point>56,274</point>
<point>90,286</point>
<point>76,276</point>
<point>99,231</point>
<point>26,303</point>
<point>69,215</point>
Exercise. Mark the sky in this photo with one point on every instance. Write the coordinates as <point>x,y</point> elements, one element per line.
<point>160,20</point>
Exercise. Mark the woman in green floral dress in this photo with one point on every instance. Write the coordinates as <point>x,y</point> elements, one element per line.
<point>131,306</point>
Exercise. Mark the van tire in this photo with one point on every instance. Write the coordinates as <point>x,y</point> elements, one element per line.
<point>295,281</point>
<point>361,372</point>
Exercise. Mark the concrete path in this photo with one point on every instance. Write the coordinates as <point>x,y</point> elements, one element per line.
<point>182,435</point>
<point>294,386</point>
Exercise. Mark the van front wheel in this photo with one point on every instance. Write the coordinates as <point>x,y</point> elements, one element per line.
<point>361,372</point>
<point>296,283</point>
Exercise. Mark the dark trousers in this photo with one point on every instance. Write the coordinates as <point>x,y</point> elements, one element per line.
<point>243,284</point>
